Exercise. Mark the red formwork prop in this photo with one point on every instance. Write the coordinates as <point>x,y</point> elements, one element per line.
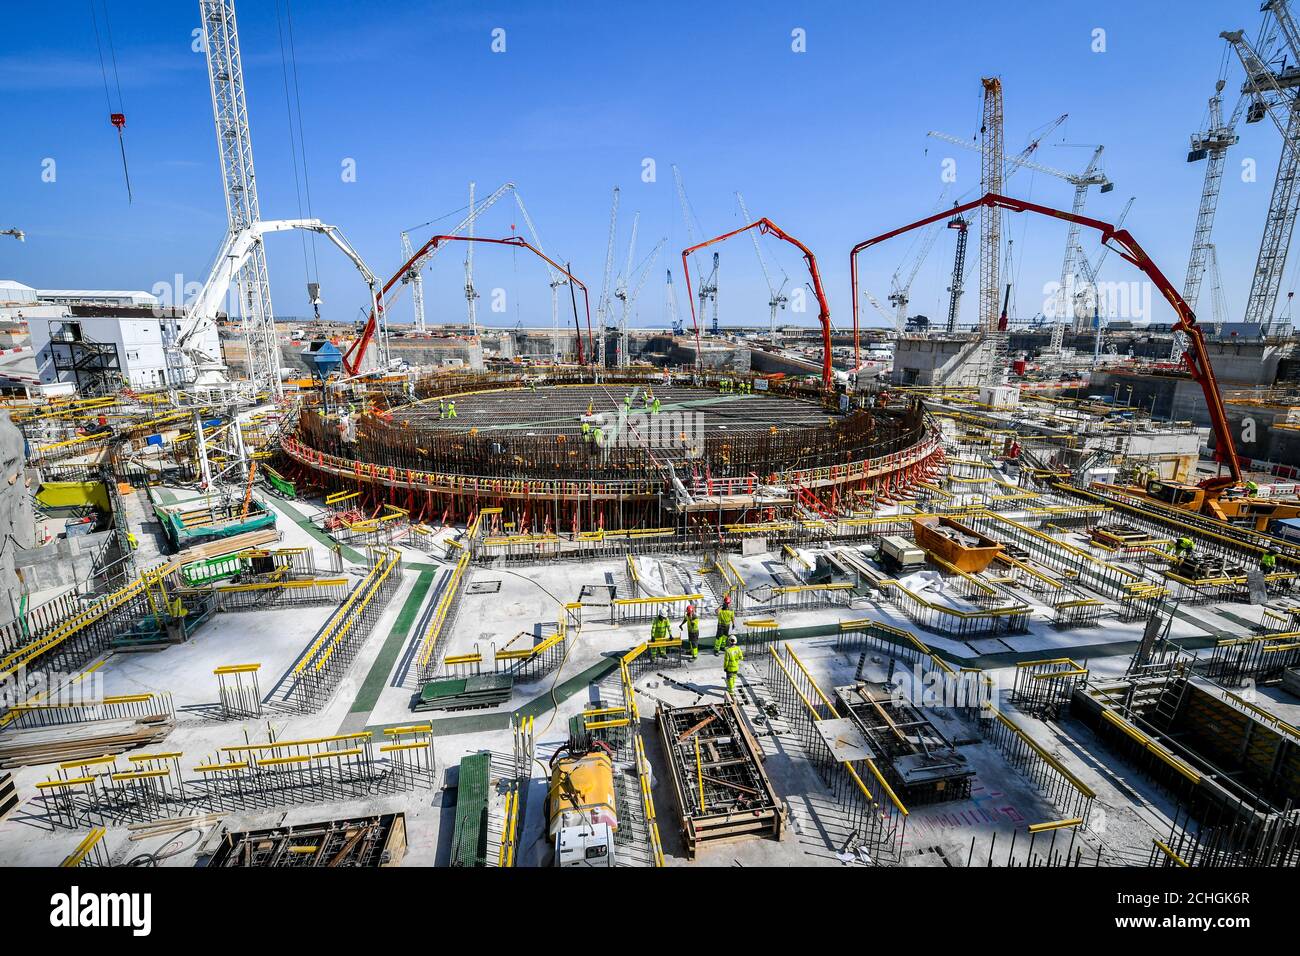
<point>1195,358</point>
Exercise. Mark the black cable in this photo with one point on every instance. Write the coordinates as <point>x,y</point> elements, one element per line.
<point>306,176</point>
<point>293,147</point>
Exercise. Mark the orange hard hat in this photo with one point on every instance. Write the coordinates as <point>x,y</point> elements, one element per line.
<point>690,609</point>
<point>726,600</point>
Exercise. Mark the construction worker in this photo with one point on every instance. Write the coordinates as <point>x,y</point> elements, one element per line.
<point>1268,562</point>
<point>654,406</point>
<point>442,409</point>
<point>451,409</point>
<point>726,617</point>
<point>731,662</point>
<point>586,431</point>
<point>659,631</point>
<point>692,625</point>
<point>627,402</point>
<point>1252,489</point>
<point>1183,547</point>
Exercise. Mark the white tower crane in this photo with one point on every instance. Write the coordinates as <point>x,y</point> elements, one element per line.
<point>414,277</point>
<point>416,282</point>
<point>1086,296</point>
<point>900,295</point>
<point>1211,145</point>
<point>1218,302</point>
<point>1272,94</point>
<point>471,294</point>
<point>1091,176</point>
<point>776,297</point>
<point>708,290</point>
<point>603,303</point>
<point>670,300</point>
<point>620,293</point>
<point>629,297</point>
<point>234,142</point>
<point>558,279</point>
<point>991,173</point>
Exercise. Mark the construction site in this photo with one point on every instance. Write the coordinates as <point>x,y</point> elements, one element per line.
<point>583,593</point>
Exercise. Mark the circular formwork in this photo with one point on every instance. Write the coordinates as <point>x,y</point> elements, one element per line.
<point>521,446</point>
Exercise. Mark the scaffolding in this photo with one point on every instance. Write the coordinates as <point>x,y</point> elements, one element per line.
<point>322,666</point>
<point>1043,688</point>
<point>1233,768</point>
<point>875,813</point>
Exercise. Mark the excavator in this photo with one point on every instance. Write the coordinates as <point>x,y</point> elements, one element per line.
<point>1224,497</point>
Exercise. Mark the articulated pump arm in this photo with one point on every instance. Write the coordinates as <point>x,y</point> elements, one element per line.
<point>1196,357</point>
<point>354,355</point>
<point>234,253</point>
<point>768,227</point>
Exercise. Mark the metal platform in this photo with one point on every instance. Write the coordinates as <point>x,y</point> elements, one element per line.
<point>722,790</point>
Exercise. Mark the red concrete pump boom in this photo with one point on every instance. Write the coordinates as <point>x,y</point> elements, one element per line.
<point>356,352</point>
<point>768,227</point>
<point>1196,357</point>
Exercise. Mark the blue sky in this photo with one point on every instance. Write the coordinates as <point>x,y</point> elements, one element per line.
<point>829,143</point>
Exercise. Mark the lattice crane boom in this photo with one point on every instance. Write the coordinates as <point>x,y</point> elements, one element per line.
<point>1272,94</point>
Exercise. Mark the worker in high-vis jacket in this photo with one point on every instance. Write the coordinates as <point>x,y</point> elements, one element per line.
<point>1184,546</point>
<point>659,631</point>
<point>726,618</point>
<point>731,662</point>
<point>1268,562</point>
<point>692,625</point>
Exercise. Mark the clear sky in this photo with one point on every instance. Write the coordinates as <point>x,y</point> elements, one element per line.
<point>829,143</point>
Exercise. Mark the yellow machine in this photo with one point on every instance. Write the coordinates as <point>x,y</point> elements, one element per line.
<point>580,809</point>
<point>1223,505</point>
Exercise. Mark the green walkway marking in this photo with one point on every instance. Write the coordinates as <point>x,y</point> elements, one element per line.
<point>375,680</point>
<point>294,515</point>
<point>473,723</point>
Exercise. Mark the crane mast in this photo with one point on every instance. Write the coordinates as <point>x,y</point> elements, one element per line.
<point>1212,146</point>
<point>621,294</point>
<point>776,298</point>
<point>708,291</point>
<point>602,304</point>
<point>901,295</point>
<point>415,281</point>
<point>1272,94</point>
<point>471,294</point>
<point>234,142</point>
<point>629,300</point>
<point>990,217</point>
<point>962,225</point>
<point>670,299</point>
<point>558,279</point>
<point>1070,263</point>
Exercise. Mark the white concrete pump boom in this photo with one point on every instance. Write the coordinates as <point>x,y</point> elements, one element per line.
<point>234,253</point>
